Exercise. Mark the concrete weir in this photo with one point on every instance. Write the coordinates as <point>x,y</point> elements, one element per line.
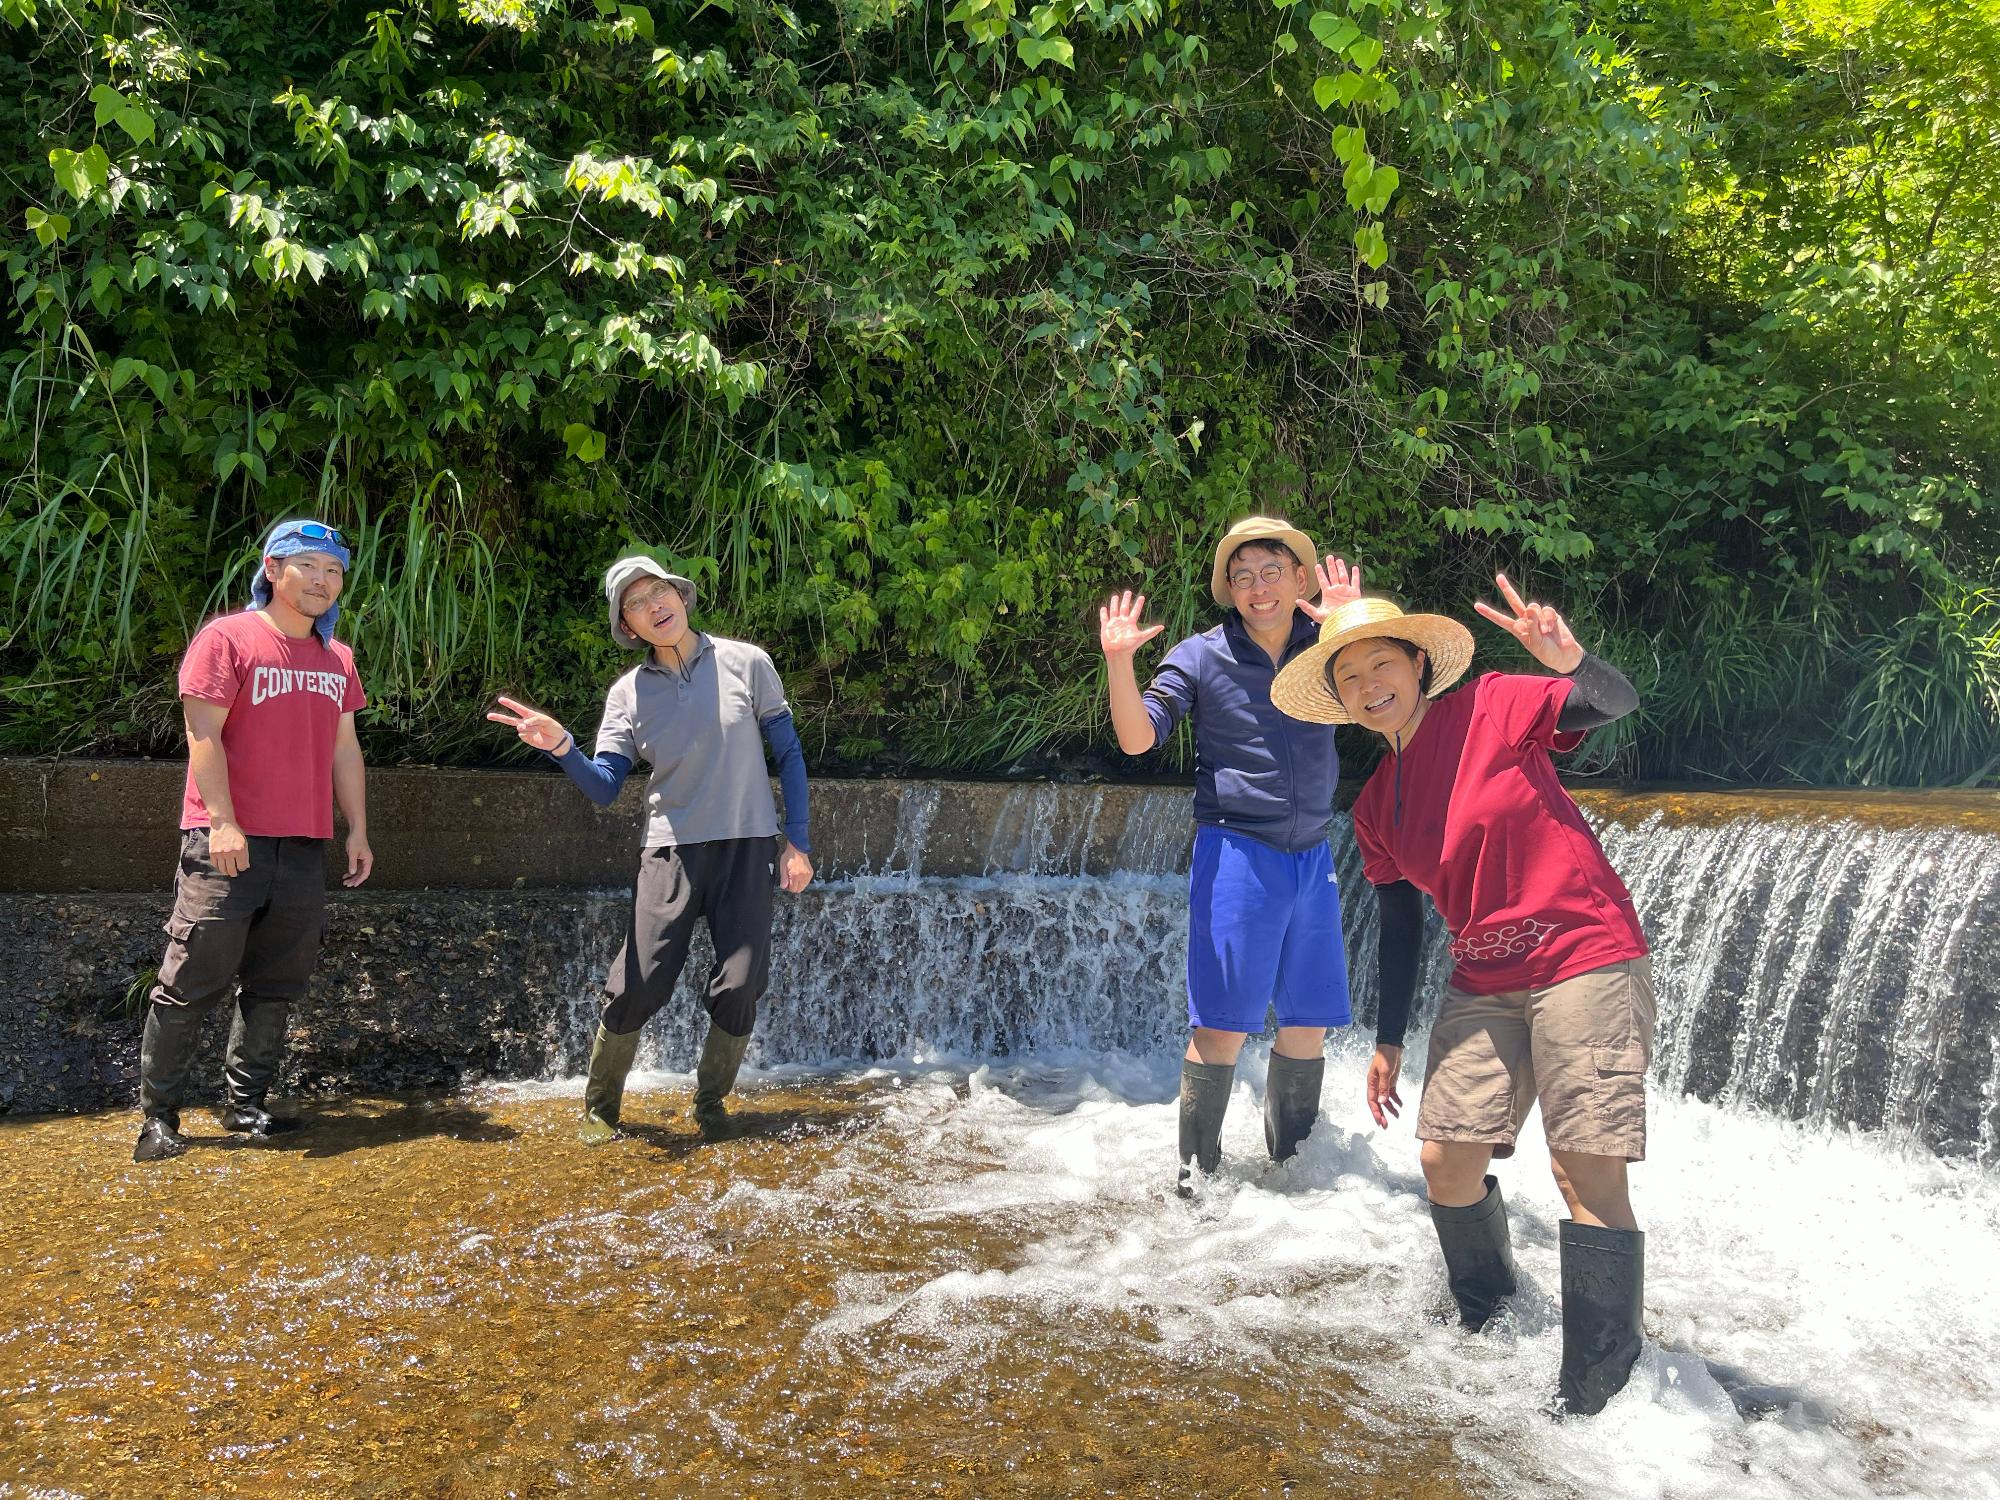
<point>476,949</point>
<point>1820,956</point>
<point>77,826</point>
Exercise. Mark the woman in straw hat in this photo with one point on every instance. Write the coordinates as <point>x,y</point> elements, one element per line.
<point>1551,994</point>
<point>1264,911</point>
<point>699,709</point>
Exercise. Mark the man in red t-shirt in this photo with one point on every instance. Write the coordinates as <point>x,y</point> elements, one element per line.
<point>269,697</point>
<point>1551,996</point>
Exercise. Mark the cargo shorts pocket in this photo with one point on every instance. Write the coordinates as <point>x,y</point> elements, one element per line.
<point>1628,1025</point>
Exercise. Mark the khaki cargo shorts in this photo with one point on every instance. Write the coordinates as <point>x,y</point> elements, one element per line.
<point>1580,1046</point>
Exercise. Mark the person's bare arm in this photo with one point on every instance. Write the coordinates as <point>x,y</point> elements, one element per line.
<point>351,792</point>
<point>228,849</point>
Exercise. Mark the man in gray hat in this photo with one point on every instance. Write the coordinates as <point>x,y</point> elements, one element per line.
<point>698,709</point>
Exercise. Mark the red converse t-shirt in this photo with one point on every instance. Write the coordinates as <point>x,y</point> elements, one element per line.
<point>285,698</point>
<point>1488,832</point>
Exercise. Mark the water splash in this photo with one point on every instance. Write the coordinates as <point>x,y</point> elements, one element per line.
<point>1826,971</point>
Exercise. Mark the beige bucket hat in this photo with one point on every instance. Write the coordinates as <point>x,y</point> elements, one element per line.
<point>621,573</point>
<point>1301,689</point>
<point>1262,529</point>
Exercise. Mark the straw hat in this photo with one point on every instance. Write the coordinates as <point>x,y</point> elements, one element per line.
<point>1301,689</point>
<point>1262,529</point>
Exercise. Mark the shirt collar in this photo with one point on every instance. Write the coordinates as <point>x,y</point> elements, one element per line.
<point>1305,631</point>
<point>702,646</point>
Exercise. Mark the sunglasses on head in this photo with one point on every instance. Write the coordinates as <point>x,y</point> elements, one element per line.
<point>312,531</point>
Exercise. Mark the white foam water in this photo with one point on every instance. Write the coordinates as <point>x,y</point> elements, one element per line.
<point>1856,1273</point>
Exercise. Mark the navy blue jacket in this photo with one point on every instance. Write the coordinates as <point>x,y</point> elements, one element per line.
<point>1256,770</point>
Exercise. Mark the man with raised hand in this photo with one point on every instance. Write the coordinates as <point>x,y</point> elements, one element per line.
<point>269,698</point>
<point>699,710</point>
<point>1263,904</point>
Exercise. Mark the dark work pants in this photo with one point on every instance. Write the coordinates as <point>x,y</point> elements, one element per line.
<point>260,930</point>
<point>731,882</point>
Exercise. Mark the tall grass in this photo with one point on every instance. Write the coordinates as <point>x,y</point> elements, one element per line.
<point>1797,688</point>
<point>104,586</point>
<point>435,614</point>
<point>77,556</point>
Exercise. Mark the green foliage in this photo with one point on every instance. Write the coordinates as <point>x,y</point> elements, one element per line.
<point>909,346</point>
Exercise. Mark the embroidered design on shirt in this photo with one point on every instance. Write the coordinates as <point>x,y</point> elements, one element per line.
<point>1501,942</point>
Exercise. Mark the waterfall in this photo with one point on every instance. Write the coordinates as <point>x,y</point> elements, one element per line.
<point>1819,967</point>
<point>1827,970</point>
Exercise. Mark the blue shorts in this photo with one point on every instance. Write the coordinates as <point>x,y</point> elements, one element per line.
<point>1263,931</point>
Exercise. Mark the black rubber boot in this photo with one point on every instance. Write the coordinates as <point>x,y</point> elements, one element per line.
<point>160,1138</point>
<point>1204,1100</point>
<point>249,1117</point>
<point>1291,1103</point>
<point>1604,1294</point>
<point>250,1067</point>
<point>1478,1255</point>
<point>714,1077</point>
<point>166,1052</point>
<point>611,1055</point>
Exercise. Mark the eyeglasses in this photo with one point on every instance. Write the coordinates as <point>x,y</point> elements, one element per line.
<point>1270,573</point>
<point>647,598</point>
<point>312,531</point>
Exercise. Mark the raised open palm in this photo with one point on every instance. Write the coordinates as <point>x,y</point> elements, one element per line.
<point>1119,630</point>
<point>1338,585</point>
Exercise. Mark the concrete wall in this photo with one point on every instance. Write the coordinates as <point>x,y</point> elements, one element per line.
<point>113,825</point>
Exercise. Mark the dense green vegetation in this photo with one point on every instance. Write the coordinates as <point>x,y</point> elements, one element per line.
<point>910,332</point>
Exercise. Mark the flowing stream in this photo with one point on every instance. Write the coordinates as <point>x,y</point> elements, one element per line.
<point>947,1261</point>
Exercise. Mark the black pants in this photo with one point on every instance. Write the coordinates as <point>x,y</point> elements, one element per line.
<point>259,930</point>
<point>729,881</point>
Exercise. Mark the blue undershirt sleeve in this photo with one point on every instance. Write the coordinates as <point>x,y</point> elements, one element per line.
<point>598,778</point>
<point>782,735</point>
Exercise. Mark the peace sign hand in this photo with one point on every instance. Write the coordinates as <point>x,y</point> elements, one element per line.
<point>1118,629</point>
<point>1536,626</point>
<point>1338,585</point>
<point>534,727</point>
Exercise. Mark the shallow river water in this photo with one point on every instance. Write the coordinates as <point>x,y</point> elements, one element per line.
<point>961,1280</point>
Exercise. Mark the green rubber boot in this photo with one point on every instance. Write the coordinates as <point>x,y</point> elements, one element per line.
<point>721,1056</point>
<point>611,1057</point>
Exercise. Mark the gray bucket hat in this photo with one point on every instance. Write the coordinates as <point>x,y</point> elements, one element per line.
<point>621,573</point>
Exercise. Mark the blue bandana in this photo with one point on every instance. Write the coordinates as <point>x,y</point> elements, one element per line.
<point>288,539</point>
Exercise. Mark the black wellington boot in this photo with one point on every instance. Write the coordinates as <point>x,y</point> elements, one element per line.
<point>714,1077</point>
<point>166,1051</point>
<point>1291,1103</point>
<point>250,1067</point>
<point>160,1138</point>
<point>1204,1100</point>
<point>1604,1294</point>
<point>1478,1255</point>
<point>611,1055</point>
